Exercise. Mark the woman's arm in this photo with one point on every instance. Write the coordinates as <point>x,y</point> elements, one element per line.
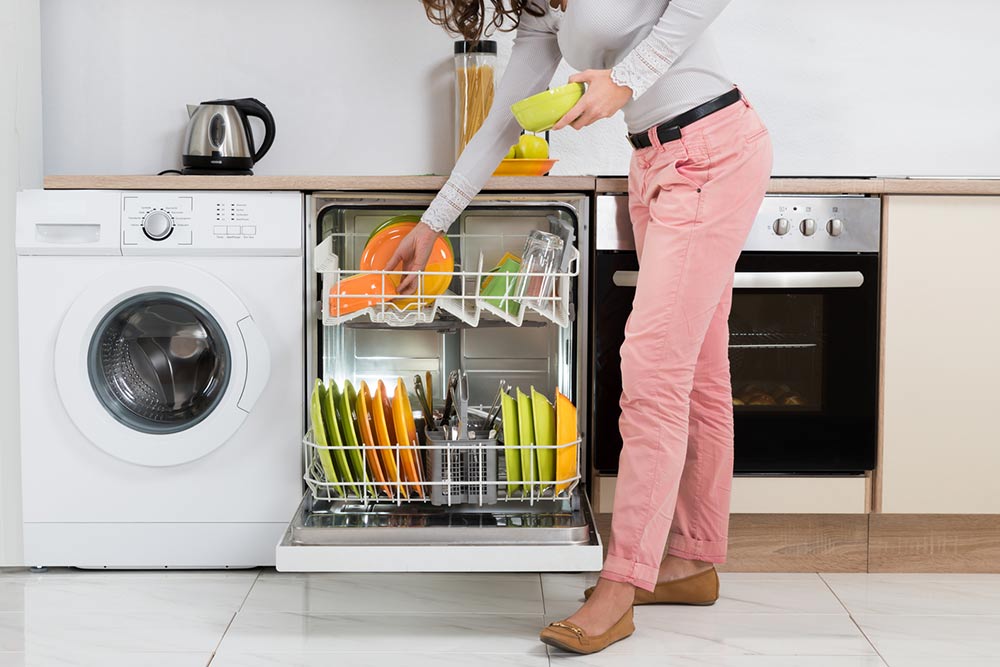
<point>680,26</point>
<point>533,61</point>
<point>608,90</point>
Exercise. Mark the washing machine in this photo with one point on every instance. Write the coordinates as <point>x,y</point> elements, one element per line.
<point>161,392</point>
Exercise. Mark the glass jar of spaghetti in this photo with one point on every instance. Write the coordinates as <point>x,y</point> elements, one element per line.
<point>475,81</point>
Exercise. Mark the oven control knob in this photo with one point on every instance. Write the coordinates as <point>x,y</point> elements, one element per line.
<point>808,227</point>
<point>781,226</point>
<point>835,227</point>
<point>158,225</point>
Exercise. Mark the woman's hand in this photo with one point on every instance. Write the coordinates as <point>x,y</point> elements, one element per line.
<point>413,252</point>
<point>603,99</point>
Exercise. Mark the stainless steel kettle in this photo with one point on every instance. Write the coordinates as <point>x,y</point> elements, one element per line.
<point>219,139</point>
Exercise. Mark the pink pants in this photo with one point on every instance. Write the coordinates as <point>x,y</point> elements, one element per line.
<point>692,204</point>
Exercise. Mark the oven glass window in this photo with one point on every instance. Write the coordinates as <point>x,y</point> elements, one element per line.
<point>776,351</point>
<point>159,363</point>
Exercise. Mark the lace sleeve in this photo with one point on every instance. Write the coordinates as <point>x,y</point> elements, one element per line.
<point>449,203</point>
<point>681,25</point>
<point>533,61</point>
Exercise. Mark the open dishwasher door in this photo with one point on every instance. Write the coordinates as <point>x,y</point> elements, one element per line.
<point>460,517</point>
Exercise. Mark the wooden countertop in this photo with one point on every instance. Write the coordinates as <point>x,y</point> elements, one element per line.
<point>875,186</point>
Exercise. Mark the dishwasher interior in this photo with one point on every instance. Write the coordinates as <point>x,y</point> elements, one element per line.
<point>465,506</point>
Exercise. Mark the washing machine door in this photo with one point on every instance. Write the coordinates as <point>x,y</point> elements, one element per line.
<point>159,364</point>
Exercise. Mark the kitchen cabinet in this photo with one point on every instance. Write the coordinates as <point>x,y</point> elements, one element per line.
<point>941,432</point>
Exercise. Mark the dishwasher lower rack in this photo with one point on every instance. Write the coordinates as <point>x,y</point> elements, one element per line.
<point>465,472</point>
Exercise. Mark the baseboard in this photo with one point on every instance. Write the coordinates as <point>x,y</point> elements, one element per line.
<point>947,543</point>
<point>934,543</point>
<point>790,542</point>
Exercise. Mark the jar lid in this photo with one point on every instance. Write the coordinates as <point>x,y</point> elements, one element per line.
<point>482,46</point>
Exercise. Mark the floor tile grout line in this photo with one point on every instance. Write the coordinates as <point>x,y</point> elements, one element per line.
<point>545,614</point>
<point>850,615</point>
<point>243,602</point>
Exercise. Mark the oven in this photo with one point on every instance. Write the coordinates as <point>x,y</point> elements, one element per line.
<point>804,335</point>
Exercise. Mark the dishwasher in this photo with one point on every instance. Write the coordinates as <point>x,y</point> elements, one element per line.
<point>468,509</point>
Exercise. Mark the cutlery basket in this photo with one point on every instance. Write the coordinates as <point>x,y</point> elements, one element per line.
<point>461,471</point>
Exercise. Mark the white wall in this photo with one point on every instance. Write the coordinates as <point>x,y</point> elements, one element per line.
<point>848,87</point>
<point>20,167</point>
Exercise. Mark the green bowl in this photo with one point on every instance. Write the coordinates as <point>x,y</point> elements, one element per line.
<point>540,112</point>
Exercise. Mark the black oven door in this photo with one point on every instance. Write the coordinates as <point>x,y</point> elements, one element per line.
<point>804,360</point>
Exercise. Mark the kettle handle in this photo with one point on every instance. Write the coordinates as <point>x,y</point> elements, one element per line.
<point>254,107</point>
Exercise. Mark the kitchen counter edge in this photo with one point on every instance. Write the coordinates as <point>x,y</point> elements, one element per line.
<point>875,186</point>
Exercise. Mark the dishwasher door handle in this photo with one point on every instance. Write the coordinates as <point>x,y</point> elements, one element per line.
<point>776,280</point>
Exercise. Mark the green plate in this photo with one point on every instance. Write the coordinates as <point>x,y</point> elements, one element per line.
<point>510,441</point>
<point>319,435</point>
<point>526,431</point>
<point>349,420</point>
<point>336,437</point>
<point>545,436</point>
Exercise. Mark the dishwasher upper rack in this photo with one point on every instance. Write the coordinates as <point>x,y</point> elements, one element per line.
<point>482,491</point>
<point>462,300</point>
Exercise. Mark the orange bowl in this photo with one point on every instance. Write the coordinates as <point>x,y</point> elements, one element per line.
<point>359,292</point>
<point>380,248</point>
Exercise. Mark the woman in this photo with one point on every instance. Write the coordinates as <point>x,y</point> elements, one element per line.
<point>696,181</point>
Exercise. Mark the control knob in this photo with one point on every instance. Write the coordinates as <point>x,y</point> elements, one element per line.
<point>781,226</point>
<point>835,227</point>
<point>808,227</point>
<point>158,225</point>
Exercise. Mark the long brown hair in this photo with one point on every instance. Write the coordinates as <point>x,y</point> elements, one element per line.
<point>468,17</point>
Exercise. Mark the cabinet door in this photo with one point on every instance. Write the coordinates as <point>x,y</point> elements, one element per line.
<point>941,425</point>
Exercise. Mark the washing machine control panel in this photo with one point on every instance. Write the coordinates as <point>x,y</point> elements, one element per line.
<point>236,223</point>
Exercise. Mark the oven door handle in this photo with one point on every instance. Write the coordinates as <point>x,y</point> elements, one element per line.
<point>776,280</point>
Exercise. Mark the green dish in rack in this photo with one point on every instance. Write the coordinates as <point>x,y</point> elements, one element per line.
<point>336,438</point>
<point>319,435</point>
<point>511,438</point>
<point>347,405</point>
<point>526,433</point>
<point>545,436</point>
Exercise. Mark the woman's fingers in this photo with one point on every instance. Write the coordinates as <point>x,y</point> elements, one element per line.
<point>578,109</point>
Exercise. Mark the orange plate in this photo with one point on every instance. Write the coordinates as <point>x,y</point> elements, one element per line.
<point>406,451</point>
<point>524,167</point>
<point>358,292</point>
<point>366,424</point>
<point>565,434</point>
<point>380,412</point>
<point>411,426</point>
<point>380,248</point>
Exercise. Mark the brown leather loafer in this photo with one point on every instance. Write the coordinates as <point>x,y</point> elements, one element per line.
<point>700,590</point>
<point>572,638</point>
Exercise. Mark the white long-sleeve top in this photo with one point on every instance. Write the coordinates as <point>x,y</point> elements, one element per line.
<point>661,49</point>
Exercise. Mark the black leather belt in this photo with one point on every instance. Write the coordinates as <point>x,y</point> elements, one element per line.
<point>671,130</point>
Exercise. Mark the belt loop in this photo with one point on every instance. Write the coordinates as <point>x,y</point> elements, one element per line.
<point>743,98</point>
<point>654,137</point>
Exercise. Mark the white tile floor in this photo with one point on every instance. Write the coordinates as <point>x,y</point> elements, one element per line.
<point>253,619</point>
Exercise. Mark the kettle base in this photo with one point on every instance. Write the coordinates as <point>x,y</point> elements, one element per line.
<point>194,171</point>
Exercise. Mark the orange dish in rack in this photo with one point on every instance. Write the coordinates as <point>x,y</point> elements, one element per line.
<point>359,292</point>
<point>406,437</point>
<point>524,167</point>
<point>381,247</point>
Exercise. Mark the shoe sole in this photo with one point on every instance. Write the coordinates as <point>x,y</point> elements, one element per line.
<point>570,649</point>
<point>676,604</point>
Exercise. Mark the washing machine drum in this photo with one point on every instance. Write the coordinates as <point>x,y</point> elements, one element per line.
<point>159,363</point>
